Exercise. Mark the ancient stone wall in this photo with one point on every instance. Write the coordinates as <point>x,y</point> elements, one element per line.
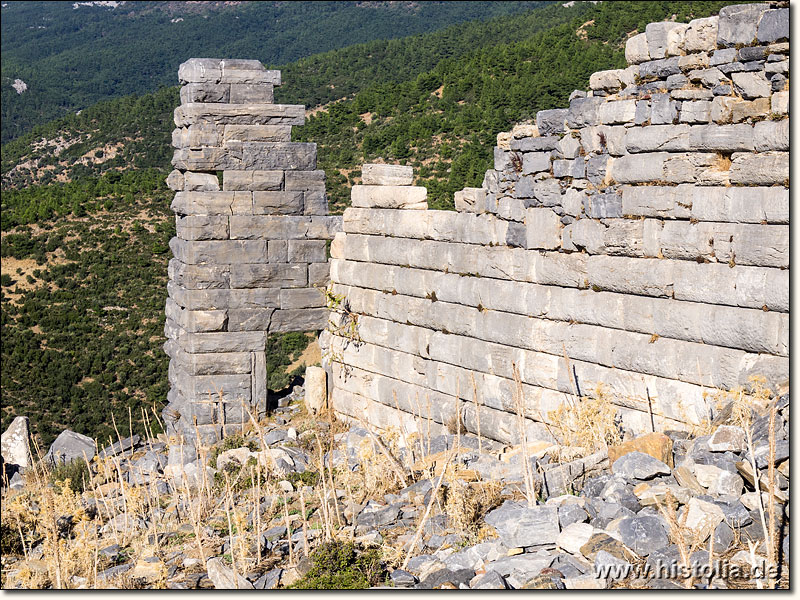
<point>250,246</point>
<point>635,245</point>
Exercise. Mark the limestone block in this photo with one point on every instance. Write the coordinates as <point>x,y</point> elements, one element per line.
<point>569,146</point>
<point>249,319</point>
<point>248,155</point>
<point>323,226</point>
<point>774,26</point>
<point>752,85</point>
<point>610,80</point>
<point>741,204</point>
<point>268,275</point>
<point>660,69</point>
<point>277,203</point>
<point>318,273</point>
<point>652,138</point>
<point>214,388</point>
<point>583,112</point>
<point>585,234</point>
<point>725,138</point>
<point>665,38</point>
<point>306,319</point>
<point>247,71</point>
<point>220,299</point>
<point>219,251</point>
<point>375,174</point>
<point>511,209</point>
<point>636,49</point>
<point>572,201</point>
<point>316,389</point>
<point>535,162</point>
<point>742,110</point>
<point>663,110</point>
<point>722,109</point>
<point>701,35</point>
<point>709,78</point>
<point>534,144</point>
<point>620,111</point>
<point>642,112</point>
<point>604,139</point>
<point>637,168</point>
<point>196,320</point>
<point>174,180</point>
<point>251,93</point>
<point>780,103</point>
<point>502,159</point>
<point>471,200</point>
<point>239,114</point>
<point>278,251</point>
<point>271,227</point>
<point>337,245</point>
<point>307,251</point>
<point>305,181</point>
<point>200,70</point>
<point>547,192</point>
<point>551,121</point>
<point>761,245</point>
<point>766,168</point>
<point>205,92</point>
<point>199,277</point>
<point>403,197</point>
<point>738,24</point>
<point>228,341</point>
<point>200,182</point>
<point>692,166</point>
<point>771,135</point>
<point>695,63</point>
<point>197,136</point>
<point>221,363</point>
<point>252,180</point>
<point>302,298</point>
<point>257,133</point>
<point>315,203</point>
<point>201,227</point>
<point>569,168</point>
<point>543,228</point>
<point>696,112</point>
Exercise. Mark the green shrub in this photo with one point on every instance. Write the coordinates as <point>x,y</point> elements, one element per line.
<point>76,471</point>
<point>339,566</point>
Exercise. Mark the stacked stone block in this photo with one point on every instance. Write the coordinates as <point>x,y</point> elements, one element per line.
<point>250,250</point>
<point>635,244</point>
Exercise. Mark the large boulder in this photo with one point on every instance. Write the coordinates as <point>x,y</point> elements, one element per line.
<point>15,444</point>
<point>69,446</point>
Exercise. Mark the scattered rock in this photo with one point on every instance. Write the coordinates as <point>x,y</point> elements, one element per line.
<point>491,580</point>
<point>69,446</point>
<point>521,526</point>
<point>643,535</point>
<point>15,443</point>
<point>727,438</point>
<point>224,577</point>
<point>638,465</point>
<point>657,445</point>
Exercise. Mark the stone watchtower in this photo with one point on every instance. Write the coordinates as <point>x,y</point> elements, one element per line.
<point>252,228</point>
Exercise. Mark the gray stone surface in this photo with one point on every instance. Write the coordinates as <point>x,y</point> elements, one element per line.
<point>637,465</point>
<point>643,535</point>
<point>15,443</point>
<point>70,446</point>
<point>521,526</point>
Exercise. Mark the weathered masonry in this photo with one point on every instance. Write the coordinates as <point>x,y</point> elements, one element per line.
<point>635,243</point>
<point>250,248</point>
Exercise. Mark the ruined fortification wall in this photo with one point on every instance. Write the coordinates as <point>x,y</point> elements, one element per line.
<point>637,240</point>
<point>248,251</point>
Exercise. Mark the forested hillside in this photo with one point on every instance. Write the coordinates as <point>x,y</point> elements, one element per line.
<point>73,55</point>
<point>85,211</point>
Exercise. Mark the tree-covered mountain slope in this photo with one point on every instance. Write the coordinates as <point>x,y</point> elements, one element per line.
<point>72,55</point>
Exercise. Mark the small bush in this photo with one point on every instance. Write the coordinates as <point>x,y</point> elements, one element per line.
<point>339,566</point>
<point>77,472</point>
